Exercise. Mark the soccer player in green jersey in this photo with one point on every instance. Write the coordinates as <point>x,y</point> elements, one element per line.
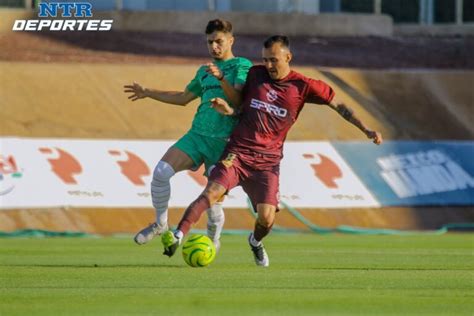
<point>205,141</point>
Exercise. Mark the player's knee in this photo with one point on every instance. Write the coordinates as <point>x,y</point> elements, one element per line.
<point>266,215</point>
<point>265,221</point>
<point>162,173</point>
<point>213,193</point>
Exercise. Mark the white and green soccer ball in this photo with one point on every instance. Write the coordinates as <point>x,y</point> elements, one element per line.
<point>199,251</point>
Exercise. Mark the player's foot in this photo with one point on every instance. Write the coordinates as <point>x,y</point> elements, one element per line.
<point>259,254</point>
<point>170,243</point>
<point>149,232</point>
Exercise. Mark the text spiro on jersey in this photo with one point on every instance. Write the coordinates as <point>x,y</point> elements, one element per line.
<point>270,108</point>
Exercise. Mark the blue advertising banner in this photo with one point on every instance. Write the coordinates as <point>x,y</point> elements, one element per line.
<point>414,173</point>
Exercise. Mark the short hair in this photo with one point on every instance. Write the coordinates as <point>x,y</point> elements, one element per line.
<point>219,26</point>
<point>272,40</point>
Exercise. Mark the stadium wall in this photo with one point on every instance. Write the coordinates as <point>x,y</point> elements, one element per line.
<point>466,29</point>
<point>258,23</point>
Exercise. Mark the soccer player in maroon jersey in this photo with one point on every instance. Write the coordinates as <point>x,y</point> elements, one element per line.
<point>273,97</point>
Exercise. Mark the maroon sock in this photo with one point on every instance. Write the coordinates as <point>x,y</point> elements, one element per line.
<point>261,231</point>
<point>193,213</point>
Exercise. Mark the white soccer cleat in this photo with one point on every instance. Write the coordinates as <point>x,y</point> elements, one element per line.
<point>149,232</point>
<point>259,254</point>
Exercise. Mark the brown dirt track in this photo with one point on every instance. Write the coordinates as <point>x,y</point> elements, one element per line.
<point>89,70</point>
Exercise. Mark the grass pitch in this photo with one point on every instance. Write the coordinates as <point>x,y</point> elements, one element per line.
<point>308,275</point>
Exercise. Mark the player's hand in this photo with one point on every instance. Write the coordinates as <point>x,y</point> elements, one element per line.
<point>221,106</point>
<point>215,71</point>
<point>375,136</point>
<point>137,91</point>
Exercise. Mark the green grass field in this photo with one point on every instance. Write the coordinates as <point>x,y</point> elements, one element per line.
<point>308,275</point>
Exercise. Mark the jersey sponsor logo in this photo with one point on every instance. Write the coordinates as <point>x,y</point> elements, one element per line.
<point>326,170</point>
<point>131,166</point>
<point>67,11</point>
<point>229,67</point>
<point>211,87</point>
<point>229,160</point>
<point>267,107</point>
<point>424,172</point>
<point>9,173</point>
<point>63,164</point>
<point>272,95</point>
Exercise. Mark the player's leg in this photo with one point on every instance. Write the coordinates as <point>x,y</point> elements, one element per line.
<point>222,179</point>
<point>263,226</point>
<point>212,148</point>
<point>174,160</point>
<point>215,222</point>
<point>215,219</point>
<point>264,222</point>
<point>211,194</point>
<point>262,189</point>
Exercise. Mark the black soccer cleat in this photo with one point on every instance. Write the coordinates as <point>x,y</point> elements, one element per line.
<point>259,254</point>
<point>170,243</point>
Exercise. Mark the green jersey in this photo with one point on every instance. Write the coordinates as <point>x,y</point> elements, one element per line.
<point>207,121</point>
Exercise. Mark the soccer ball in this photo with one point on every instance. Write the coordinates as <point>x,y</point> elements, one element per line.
<point>199,251</point>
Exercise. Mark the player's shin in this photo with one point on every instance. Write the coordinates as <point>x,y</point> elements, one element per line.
<point>215,223</point>
<point>261,230</point>
<point>265,219</point>
<point>193,213</point>
<point>160,195</point>
<point>160,191</point>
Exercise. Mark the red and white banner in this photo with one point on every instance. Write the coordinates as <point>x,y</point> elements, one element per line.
<point>38,173</point>
<point>313,174</point>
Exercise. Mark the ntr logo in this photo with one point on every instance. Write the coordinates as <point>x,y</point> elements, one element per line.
<point>81,9</point>
<point>325,170</point>
<point>63,164</point>
<point>132,166</point>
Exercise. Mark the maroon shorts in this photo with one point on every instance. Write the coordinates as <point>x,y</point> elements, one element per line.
<point>261,186</point>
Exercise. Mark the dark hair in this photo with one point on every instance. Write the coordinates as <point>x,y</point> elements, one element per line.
<point>218,25</point>
<point>282,39</point>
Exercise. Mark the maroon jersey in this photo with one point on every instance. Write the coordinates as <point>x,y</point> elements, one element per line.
<point>269,109</point>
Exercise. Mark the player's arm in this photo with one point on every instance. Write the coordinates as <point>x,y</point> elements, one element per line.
<point>172,97</point>
<point>232,92</point>
<point>348,114</point>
